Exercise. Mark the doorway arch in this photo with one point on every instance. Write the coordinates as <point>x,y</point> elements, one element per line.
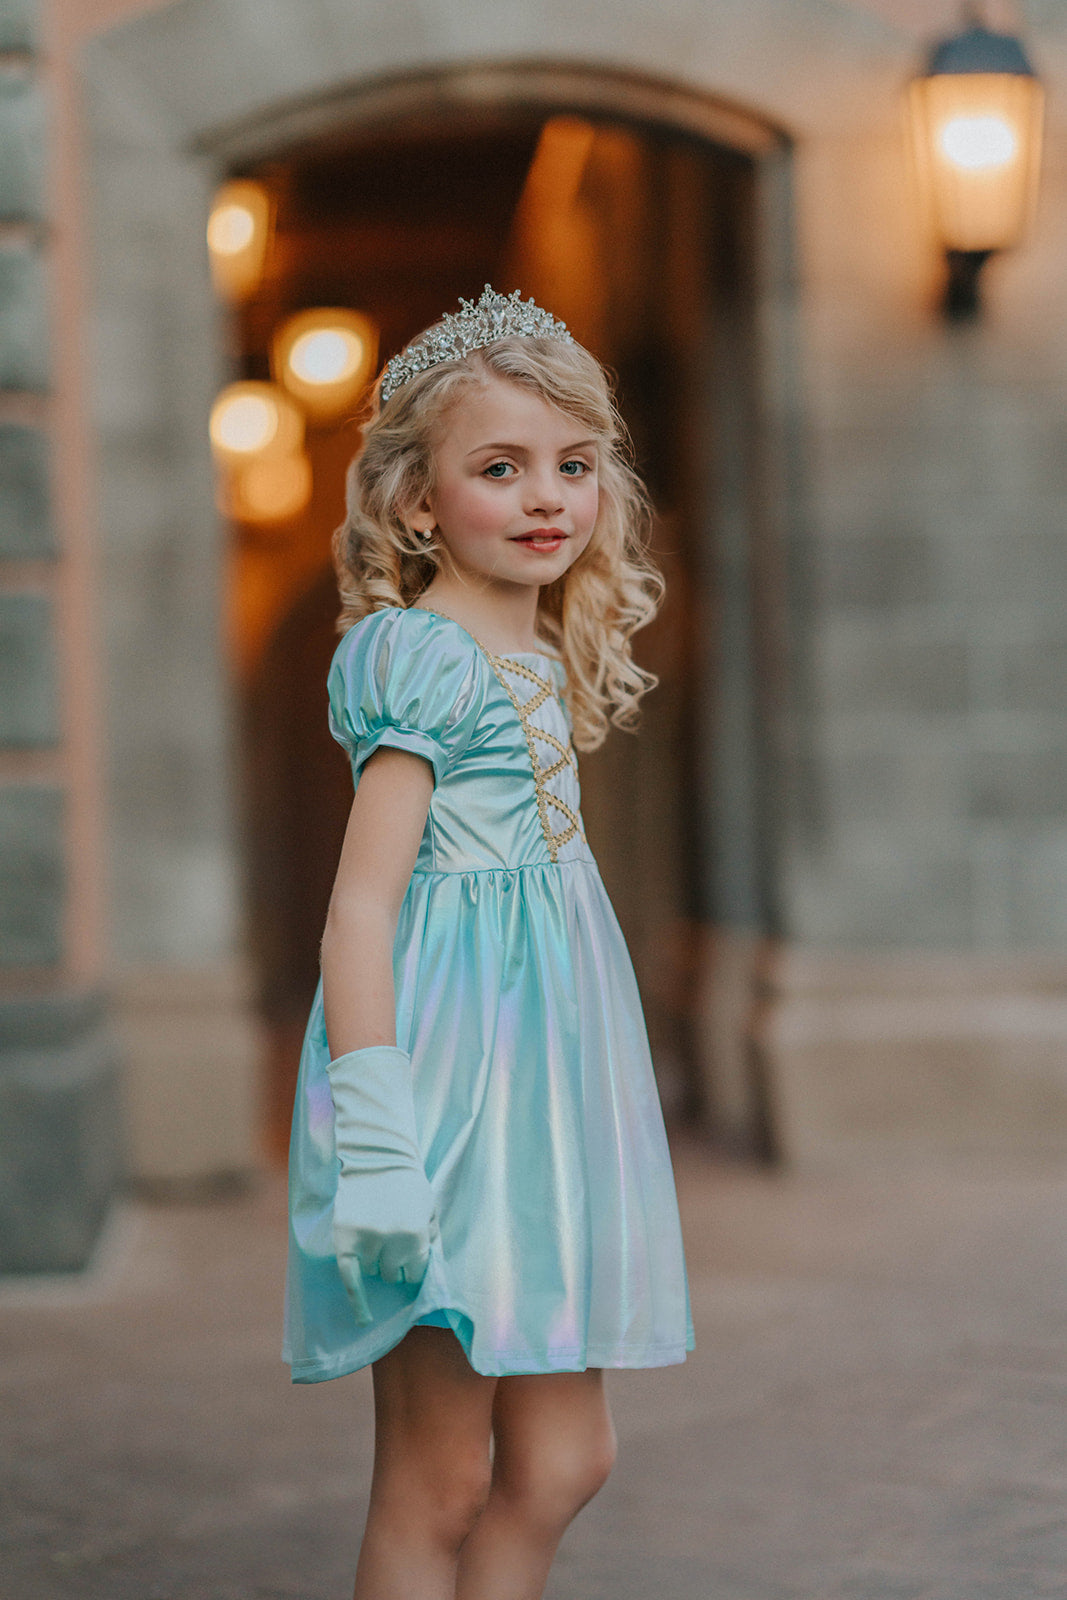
<point>176,826</point>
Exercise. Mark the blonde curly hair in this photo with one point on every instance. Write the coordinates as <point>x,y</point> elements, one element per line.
<point>591,612</point>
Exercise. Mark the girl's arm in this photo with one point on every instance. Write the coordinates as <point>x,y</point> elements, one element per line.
<point>380,846</point>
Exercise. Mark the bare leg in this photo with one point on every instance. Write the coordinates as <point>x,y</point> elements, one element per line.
<point>432,1428</point>
<point>555,1445</point>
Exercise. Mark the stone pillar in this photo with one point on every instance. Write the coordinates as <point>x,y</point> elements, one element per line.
<point>59,1129</point>
<point>179,976</point>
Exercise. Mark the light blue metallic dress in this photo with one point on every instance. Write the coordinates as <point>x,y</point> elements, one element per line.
<point>536,1106</point>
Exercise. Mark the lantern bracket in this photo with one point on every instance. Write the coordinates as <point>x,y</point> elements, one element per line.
<point>962,302</point>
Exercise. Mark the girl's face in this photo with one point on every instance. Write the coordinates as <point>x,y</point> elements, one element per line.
<point>515,499</point>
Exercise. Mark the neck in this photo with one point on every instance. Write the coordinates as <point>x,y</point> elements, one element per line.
<point>504,618</point>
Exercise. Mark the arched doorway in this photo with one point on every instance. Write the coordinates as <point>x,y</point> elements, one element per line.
<point>641,228</point>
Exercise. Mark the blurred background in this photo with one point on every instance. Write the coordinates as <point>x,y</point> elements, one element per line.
<point>829,270</point>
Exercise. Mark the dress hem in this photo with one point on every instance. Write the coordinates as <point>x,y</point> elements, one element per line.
<point>665,1355</point>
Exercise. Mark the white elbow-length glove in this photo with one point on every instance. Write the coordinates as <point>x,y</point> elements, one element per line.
<point>383,1216</point>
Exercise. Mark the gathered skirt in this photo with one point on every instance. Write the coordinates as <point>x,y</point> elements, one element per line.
<point>542,1135</point>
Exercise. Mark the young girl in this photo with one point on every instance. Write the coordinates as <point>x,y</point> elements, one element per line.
<point>482,1202</point>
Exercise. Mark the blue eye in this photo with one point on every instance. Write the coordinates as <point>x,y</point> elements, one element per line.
<point>497,469</point>
<point>580,465</point>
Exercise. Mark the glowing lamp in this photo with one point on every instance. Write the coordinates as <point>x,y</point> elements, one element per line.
<point>324,358</point>
<point>238,232</point>
<point>252,420</point>
<point>269,489</point>
<point>976,118</point>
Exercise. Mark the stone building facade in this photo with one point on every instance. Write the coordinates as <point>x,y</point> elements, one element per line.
<point>897,989</point>
<point>60,1145</point>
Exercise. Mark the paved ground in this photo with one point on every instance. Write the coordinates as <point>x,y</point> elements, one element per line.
<point>876,1409</point>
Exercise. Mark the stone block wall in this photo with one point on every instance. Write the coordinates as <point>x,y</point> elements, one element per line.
<point>936,633</point>
<point>919,1012</point>
<point>59,1139</point>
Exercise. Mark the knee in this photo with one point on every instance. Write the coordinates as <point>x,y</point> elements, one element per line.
<point>553,1488</point>
<point>593,1468</point>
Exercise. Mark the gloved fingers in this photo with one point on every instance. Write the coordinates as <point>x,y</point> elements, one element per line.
<point>401,1258</point>
<point>417,1264</point>
<point>368,1253</point>
<point>352,1278</point>
<point>391,1265</point>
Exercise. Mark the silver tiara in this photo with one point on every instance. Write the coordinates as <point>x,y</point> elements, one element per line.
<point>496,316</point>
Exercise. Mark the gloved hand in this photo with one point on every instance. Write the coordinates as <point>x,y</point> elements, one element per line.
<point>383,1215</point>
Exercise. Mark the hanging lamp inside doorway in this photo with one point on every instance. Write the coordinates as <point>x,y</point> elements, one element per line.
<point>976,121</point>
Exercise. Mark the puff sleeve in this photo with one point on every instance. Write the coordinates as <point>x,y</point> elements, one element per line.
<point>399,678</point>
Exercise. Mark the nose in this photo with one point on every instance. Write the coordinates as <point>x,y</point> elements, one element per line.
<point>543,496</point>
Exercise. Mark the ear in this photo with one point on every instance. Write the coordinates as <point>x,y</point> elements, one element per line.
<point>422,517</point>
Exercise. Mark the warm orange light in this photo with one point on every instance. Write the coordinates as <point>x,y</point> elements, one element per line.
<point>238,233</point>
<point>230,229</point>
<point>270,489</point>
<point>977,142</point>
<point>552,249</point>
<point>250,420</point>
<point>324,357</point>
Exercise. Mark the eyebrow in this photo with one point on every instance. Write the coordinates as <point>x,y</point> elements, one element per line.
<point>520,450</point>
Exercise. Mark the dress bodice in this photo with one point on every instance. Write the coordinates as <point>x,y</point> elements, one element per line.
<point>494,728</point>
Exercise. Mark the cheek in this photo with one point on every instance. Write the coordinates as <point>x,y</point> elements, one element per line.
<point>590,502</point>
<point>476,510</point>
<point>585,510</point>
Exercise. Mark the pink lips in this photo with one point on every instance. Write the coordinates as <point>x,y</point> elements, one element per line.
<point>547,539</point>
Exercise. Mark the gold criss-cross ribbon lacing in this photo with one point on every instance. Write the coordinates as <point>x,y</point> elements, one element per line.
<point>542,775</point>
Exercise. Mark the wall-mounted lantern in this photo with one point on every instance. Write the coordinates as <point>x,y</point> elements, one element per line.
<point>238,233</point>
<point>976,118</point>
<point>324,358</point>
